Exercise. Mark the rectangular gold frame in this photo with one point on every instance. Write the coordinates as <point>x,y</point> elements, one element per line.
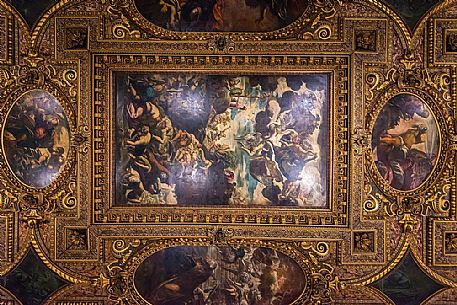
<point>104,65</point>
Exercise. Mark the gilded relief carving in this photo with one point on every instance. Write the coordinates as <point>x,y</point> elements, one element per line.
<point>166,152</point>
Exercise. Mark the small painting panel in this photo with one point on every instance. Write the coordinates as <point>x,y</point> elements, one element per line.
<point>31,281</point>
<point>221,15</point>
<point>411,10</point>
<point>36,138</point>
<point>221,275</point>
<point>365,40</point>
<point>32,11</point>
<point>451,41</point>
<point>76,239</point>
<point>405,142</point>
<point>77,38</point>
<point>363,242</point>
<point>407,283</point>
<point>194,139</point>
<point>450,242</point>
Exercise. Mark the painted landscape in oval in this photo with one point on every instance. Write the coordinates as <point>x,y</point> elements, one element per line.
<point>405,142</point>
<point>36,138</point>
<point>222,275</point>
<point>221,15</point>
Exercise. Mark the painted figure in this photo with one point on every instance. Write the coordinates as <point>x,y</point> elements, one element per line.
<point>221,15</point>
<point>36,138</point>
<point>219,275</point>
<point>405,142</point>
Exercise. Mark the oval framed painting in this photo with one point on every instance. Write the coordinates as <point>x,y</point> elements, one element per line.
<point>36,138</point>
<point>223,275</point>
<point>405,142</point>
<point>221,15</point>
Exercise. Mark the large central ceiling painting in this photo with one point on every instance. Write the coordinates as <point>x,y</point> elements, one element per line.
<point>238,140</point>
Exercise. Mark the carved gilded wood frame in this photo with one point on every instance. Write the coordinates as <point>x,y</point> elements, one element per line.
<point>105,211</point>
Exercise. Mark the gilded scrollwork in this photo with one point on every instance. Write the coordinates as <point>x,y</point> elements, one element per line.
<point>119,25</point>
<point>374,199</point>
<point>359,141</point>
<point>81,139</point>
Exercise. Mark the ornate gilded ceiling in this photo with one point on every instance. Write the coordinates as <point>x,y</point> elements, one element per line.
<point>189,152</point>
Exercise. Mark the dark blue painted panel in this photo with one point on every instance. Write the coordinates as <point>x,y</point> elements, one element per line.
<point>32,10</point>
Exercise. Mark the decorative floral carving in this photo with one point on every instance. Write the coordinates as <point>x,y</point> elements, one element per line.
<point>450,242</point>
<point>365,40</point>
<point>363,242</point>
<point>220,235</point>
<point>81,139</point>
<point>360,141</point>
<point>76,38</point>
<point>76,239</point>
<point>221,44</point>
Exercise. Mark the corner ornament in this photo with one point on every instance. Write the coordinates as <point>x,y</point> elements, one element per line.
<point>409,74</point>
<point>408,208</point>
<point>119,25</point>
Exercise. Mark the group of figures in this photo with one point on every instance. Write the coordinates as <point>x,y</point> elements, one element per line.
<point>221,15</point>
<point>405,142</point>
<point>216,275</point>
<point>194,139</point>
<point>36,138</point>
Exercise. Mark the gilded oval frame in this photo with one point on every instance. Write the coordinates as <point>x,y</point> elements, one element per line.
<point>442,152</point>
<point>293,253</point>
<point>65,170</point>
<point>322,12</point>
